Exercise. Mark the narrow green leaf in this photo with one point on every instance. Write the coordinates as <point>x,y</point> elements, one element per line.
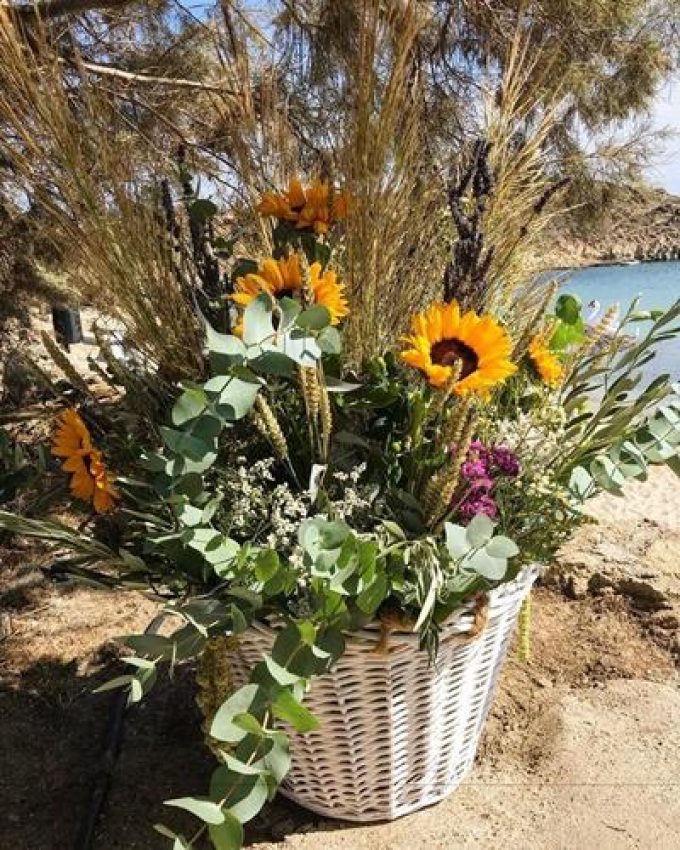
<point>370,597</point>
<point>113,684</point>
<point>287,708</point>
<point>250,724</point>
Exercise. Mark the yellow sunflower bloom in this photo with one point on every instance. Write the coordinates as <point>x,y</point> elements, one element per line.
<point>545,362</point>
<point>276,206</point>
<point>72,437</point>
<point>310,208</point>
<point>90,480</point>
<point>329,292</point>
<point>105,494</point>
<point>442,338</point>
<point>283,278</point>
<point>277,277</point>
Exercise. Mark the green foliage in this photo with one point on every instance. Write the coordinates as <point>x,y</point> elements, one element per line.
<point>477,550</point>
<point>571,329</point>
<point>616,428</point>
<point>21,470</point>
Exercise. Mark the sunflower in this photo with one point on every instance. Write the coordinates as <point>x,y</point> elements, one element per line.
<point>442,339</point>
<point>283,278</point>
<point>310,208</point>
<point>90,480</point>
<point>545,362</point>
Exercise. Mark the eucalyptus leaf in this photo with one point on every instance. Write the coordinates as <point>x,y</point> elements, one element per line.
<point>241,767</point>
<point>227,835</point>
<point>233,397</point>
<point>258,321</point>
<point>501,547</point>
<point>185,444</point>
<point>488,566</point>
<point>278,759</point>
<point>456,540</point>
<point>251,803</point>
<point>479,531</point>
<point>330,341</point>
<point>223,727</point>
<point>314,318</point>
<point>225,350</point>
<point>279,673</point>
<point>188,406</point>
<point>202,807</point>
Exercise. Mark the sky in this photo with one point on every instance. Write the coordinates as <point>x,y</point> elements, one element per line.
<point>665,171</point>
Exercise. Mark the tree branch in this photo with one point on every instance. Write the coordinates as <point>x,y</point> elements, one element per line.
<point>133,77</point>
<point>48,9</point>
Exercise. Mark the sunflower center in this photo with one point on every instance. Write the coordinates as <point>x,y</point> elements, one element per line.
<point>448,352</point>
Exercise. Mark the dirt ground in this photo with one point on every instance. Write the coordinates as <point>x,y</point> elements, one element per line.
<point>581,750</point>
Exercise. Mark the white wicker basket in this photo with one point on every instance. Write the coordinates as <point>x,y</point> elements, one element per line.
<point>396,734</point>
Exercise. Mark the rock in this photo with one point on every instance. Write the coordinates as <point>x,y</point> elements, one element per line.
<point>631,553</point>
<point>665,619</point>
<point>643,595</point>
<point>641,223</point>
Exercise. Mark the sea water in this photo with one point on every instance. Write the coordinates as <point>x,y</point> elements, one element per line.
<point>657,284</point>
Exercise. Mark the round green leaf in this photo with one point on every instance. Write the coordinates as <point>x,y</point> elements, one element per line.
<point>223,727</point>
<point>188,406</point>
<point>253,794</point>
<point>315,318</point>
<point>456,540</point>
<point>501,547</point>
<point>479,531</point>
<point>258,324</point>
<point>227,835</point>
<point>487,566</point>
<point>201,807</point>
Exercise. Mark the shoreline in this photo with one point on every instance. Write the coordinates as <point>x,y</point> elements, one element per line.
<point>594,264</point>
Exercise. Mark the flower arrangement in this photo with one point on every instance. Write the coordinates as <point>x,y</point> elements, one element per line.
<point>291,489</point>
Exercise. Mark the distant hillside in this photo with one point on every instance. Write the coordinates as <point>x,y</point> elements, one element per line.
<point>641,225</point>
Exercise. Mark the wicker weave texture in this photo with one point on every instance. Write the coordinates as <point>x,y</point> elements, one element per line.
<point>396,734</point>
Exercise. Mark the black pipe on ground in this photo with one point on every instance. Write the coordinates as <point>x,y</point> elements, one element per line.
<point>110,751</point>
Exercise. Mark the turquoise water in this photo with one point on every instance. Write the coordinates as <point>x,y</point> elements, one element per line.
<point>658,284</point>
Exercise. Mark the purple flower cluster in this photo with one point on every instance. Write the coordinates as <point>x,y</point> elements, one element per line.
<point>480,472</point>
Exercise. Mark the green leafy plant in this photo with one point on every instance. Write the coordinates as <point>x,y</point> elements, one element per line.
<point>288,488</point>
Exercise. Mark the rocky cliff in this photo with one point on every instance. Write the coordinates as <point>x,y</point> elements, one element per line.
<point>641,225</point>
